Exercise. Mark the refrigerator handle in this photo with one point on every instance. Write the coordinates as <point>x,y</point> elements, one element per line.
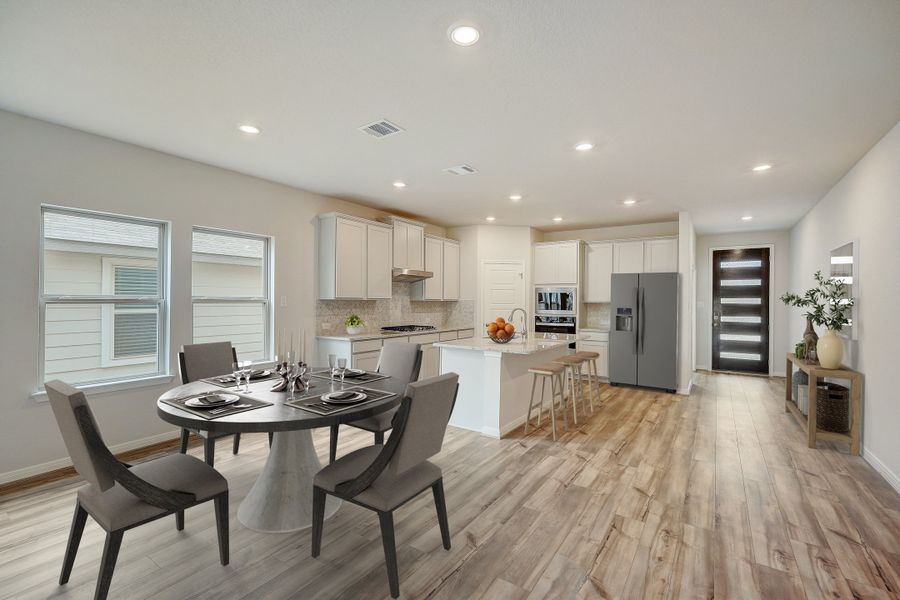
<point>637,323</point>
<point>642,315</point>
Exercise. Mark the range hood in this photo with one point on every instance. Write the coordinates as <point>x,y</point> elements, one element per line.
<point>410,275</point>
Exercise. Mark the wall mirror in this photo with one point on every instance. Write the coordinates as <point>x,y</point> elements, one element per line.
<point>845,266</point>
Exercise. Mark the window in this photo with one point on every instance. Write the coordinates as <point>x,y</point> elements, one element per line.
<point>231,281</point>
<point>104,310</point>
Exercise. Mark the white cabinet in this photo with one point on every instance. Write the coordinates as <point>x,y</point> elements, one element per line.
<point>661,256</point>
<point>378,261</point>
<point>354,260</point>
<point>601,348</point>
<point>367,361</point>
<point>598,269</point>
<point>451,270</point>
<point>409,244</point>
<point>431,362</point>
<point>556,263</point>
<point>628,257</point>
<point>442,259</point>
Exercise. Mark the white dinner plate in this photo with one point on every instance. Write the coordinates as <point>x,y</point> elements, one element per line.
<point>330,398</point>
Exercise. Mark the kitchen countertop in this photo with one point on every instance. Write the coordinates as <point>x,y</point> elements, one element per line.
<point>534,344</point>
<point>380,335</point>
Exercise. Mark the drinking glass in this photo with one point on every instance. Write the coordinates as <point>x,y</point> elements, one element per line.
<point>304,377</point>
<point>342,367</point>
<point>293,370</point>
<point>247,371</point>
<point>236,369</point>
<point>332,360</point>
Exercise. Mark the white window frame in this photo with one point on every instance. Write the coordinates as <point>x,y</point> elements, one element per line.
<point>161,299</point>
<point>268,286</point>
<point>108,316</point>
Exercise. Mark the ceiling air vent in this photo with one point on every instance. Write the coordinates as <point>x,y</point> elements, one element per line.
<point>461,170</point>
<point>382,128</point>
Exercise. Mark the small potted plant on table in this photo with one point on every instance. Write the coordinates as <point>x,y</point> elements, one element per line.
<point>827,305</point>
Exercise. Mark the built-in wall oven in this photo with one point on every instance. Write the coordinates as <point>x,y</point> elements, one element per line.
<point>554,324</point>
<point>558,302</point>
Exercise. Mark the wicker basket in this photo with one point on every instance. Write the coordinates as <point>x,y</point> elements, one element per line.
<point>833,407</point>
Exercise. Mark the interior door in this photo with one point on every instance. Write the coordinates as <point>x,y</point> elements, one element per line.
<point>658,330</point>
<point>503,289</point>
<point>740,304</point>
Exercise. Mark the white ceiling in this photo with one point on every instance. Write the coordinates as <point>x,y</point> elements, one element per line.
<point>680,98</point>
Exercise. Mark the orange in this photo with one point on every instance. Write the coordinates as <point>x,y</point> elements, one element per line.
<point>492,328</point>
<point>501,334</point>
<point>500,321</point>
<point>510,328</point>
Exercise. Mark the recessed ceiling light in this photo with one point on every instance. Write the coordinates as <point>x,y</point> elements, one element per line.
<point>251,129</point>
<point>557,219</point>
<point>584,146</point>
<point>761,168</point>
<point>747,218</point>
<point>629,202</point>
<point>399,184</point>
<point>464,35</point>
<point>490,218</point>
<point>515,197</point>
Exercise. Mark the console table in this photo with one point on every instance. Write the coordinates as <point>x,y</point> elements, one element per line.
<point>808,422</point>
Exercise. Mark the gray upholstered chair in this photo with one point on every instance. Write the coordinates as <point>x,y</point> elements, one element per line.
<point>401,361</point>
<point>201,361</point>
<point>119,496</point>
<point>383,478</point>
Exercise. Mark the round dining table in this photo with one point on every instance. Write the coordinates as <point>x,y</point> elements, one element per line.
<point>281,498</point>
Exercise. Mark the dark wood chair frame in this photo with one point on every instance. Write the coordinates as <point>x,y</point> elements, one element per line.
<point>379,433</point>
<point>172,501</point>
<point>347,490</point>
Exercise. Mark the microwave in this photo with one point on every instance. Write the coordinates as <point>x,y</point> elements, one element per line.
<point>555,301</point>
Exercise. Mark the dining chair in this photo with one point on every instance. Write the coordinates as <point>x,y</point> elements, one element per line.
<point>201,361</point>
<point>384,477</point>
<point>120,497</point>
<point>402,362</point>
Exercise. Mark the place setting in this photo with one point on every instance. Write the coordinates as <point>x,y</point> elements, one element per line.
<point>215,404</point>
<point>339,371</point>
<point>242,371</point>
<point>339,400</point>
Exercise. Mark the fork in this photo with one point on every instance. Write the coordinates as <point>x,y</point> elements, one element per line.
<point>216,411</point>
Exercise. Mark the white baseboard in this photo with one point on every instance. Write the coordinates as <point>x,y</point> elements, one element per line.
<point>882,468</point>
<point>53,465</point>
<point>686,390</point>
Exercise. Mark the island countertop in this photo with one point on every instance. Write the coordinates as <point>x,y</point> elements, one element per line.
<point>536,342</point>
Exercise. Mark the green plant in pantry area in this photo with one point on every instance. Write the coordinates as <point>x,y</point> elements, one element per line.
<point>828,303</point>
<point>354,321</point>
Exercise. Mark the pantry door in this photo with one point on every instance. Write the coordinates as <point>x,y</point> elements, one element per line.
<point>503,289</point>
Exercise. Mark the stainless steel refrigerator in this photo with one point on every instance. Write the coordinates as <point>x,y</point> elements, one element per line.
<point>643,336</point>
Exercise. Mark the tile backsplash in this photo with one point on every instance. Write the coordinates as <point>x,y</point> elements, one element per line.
<point>595,316</point>
<point>400,309</point>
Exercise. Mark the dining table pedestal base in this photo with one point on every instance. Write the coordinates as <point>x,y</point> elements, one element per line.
<point>280,500</point>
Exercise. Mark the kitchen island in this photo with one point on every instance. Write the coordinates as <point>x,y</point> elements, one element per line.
<point>494,383</point>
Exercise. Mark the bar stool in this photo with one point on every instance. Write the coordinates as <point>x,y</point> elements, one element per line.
<point>590,359</point>
<point>572,365</point>
<point>554,372</point>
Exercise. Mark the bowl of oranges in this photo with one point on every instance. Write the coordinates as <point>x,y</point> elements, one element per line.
<point>500,331</point>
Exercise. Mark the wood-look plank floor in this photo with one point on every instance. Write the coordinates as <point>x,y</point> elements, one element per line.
<point>714,495</point>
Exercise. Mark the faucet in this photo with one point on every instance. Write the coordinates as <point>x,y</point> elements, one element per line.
<point>525,316</point>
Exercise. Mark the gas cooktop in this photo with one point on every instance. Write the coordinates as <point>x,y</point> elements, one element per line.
<point>406,328</point>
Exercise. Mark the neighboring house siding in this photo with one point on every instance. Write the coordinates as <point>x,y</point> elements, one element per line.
<point>74,336</point>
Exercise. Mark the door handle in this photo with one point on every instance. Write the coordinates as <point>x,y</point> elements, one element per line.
<point>643,320</point>
<point>637,324</point>
<point>715,319</point>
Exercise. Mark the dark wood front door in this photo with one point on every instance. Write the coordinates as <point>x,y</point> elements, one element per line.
<point>740,325</point>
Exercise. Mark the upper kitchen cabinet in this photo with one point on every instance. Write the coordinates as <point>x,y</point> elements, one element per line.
<point>354,258</point>
<point>442,259</point>
<point>598,269</point>
<point>661,256</point>
<point>409,244</point>
<point>628,257</point>
<point>379,260</point>
<point>556,263</point>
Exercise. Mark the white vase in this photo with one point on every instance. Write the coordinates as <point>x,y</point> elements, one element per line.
<point>354,330</point>
<point>830,350</point>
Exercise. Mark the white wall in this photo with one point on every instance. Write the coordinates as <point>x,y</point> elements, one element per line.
<point>780,282</point>
<point>687,247</point>
<point>864,206</point>
<point>45,163</point>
